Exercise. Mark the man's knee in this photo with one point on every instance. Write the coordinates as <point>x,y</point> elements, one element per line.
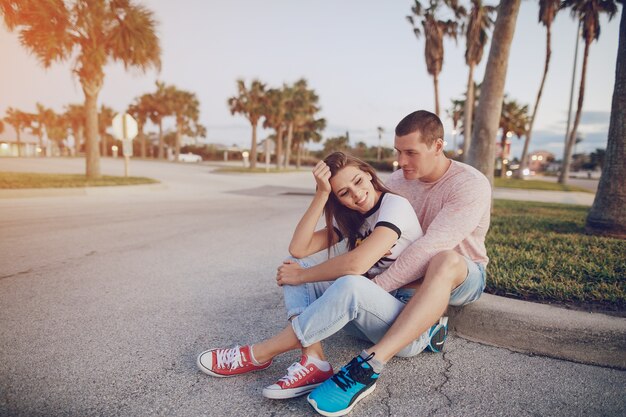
<point>447,266</point>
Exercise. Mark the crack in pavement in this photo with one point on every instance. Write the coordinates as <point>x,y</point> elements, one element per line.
<point>446,379</point>
<point>385,400</point>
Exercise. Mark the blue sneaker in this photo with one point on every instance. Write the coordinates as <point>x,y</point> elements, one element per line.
<point>340,393</point>
<point>438,333</point>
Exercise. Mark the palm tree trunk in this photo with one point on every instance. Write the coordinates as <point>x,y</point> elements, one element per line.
<point>288,147</point>
<point>607,215</point>
<point>92,154</point>
<point>524,162</point>
<point>503,146</point>
<point>299,156</point>
<point>161,142</point>
<point>179,134</point>
<point>253,147</point>
<point>468,112</point>
<point>567,154</point>
<point>279,146</point>
<point>103,145</point>
<point>482,152</point>
<point>78,139</point>
<point>436,83</point>
<point>42,151</point>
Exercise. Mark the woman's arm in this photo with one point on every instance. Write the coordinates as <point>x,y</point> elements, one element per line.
<point>306,241</point>
<point>354,262</point>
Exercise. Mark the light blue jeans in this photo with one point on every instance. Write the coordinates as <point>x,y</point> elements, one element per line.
<point>356,304</point>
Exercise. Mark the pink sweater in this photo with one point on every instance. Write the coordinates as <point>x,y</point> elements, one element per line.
<point>454,213</point>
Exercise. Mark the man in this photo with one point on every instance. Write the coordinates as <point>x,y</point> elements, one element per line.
<point>446,266</point>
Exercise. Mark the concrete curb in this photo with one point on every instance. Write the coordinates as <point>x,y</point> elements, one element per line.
<point>590,338</point>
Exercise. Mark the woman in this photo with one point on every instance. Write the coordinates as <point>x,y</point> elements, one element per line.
<point>367,227</point>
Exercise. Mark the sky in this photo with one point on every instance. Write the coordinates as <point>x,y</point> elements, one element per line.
<point>361,57</point>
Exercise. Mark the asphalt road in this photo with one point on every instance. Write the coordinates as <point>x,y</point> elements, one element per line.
<point>107,298</point>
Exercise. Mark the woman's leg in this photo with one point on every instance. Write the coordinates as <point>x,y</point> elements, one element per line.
<point>356,301</point>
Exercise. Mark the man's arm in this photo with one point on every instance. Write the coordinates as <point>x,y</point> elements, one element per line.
<point>456,221</point>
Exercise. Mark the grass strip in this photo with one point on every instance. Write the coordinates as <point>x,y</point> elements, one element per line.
<point>540,252</point>
<point>536,185</point>
<point>20,180</point>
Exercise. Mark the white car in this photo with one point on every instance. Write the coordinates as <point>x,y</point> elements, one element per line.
<point>189,157</point>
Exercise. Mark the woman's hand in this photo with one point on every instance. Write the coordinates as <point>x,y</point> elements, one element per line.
<point>321,172</point>
<point>289,273</point>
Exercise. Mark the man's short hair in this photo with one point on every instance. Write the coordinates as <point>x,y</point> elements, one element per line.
<point>427,124</point>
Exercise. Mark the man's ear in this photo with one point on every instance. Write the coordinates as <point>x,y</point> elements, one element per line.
<point>439,145</point>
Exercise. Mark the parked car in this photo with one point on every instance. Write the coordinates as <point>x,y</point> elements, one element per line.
<point>189,157</point>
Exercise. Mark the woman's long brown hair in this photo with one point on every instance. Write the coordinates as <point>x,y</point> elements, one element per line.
<point>348,221</point>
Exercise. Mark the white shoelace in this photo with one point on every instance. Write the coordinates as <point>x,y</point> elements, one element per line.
<point>229,358</point>
<point>295,372</point>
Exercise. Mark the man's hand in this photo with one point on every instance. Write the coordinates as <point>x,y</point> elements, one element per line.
<point>289,273</point>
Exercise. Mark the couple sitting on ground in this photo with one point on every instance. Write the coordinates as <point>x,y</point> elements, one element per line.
<point>434,212</point>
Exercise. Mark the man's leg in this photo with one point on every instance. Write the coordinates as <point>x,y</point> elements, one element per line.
<point>446,271</point>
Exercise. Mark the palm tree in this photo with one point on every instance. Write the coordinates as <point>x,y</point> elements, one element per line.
<point>380,142</point>
<point>94,32</point>
<point>301,109</point>
<point>479,22</point>
<point>434,31</point>
<point>547,11</point>
<point>140,110</point>
<point>482,152</point>
<point>275,116</point>
<point>19,120</point>
<point>513,121</point>
<point>310,132</point>
<point>160,108</point>
<point>75,116</point>
<point>607,215</point>
<point>105,119</point>
<point>186,109</point>
<point>588,13</point>
<point>251,103</point>
<point>40,121</point>
<point>56,128</point>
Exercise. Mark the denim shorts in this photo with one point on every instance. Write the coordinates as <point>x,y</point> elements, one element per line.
<point>469,291</point>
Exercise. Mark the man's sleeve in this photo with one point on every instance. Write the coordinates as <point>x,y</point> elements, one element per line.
<point>456,221</point>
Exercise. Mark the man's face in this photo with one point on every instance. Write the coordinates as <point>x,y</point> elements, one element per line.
<point>417,160</point>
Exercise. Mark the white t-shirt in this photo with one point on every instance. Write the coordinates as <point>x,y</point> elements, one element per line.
<point>396,213</point>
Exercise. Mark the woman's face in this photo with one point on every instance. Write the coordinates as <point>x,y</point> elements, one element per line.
<point>354,189</point>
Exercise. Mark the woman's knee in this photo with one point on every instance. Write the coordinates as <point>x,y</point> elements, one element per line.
<point>350,283</point>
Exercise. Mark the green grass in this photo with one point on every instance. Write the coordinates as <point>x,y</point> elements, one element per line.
<point>539,251</point>
<point>18,180</point>
<point>536,185</point>
<point>242,170</point>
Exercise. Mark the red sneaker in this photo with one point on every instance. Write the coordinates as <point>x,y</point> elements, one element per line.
<point>228,362</point>
<point>302,377</point>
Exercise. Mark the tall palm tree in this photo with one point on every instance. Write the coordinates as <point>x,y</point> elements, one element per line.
<point>160,108</point>
<point>75,116</point>
<point>140,110</point>
<point>40,121</point>
<point>251,103</point>
<point>92,31</point>
<point>301,109</point>
<point>607,215</point>
<point>434,31</point>
<point>479,22</point>
<point>547,11</point>
<point>513,121</point>
<point>186,109</point>
<point>310,132</point>
<point>275,116</point>
<point>380,142</point>
<point>482,152</point>
<point>19,120</point>
<point>588,13</point>
<point>56,129</point>
<point>105,119</point>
